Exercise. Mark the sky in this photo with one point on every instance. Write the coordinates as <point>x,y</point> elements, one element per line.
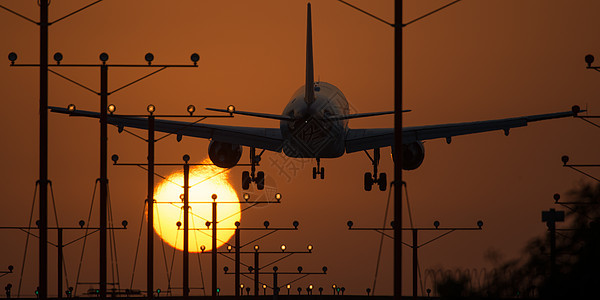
<point>476,60</point>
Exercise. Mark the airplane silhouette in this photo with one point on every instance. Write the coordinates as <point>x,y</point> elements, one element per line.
<point>314,124</point>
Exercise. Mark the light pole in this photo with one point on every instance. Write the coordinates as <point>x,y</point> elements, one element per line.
<point>151,140</point>
<point>276,273</point>
<point>237,233</point>
<point>186,170</point>
<point>415,241</point>
<point>59,246</point>
<point>397,146</point>
<point>103,115</point>
<point>550,217</point>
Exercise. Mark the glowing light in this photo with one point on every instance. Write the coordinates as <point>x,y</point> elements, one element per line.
<point>204,182</point>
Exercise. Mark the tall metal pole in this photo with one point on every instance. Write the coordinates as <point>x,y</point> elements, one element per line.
<point>59,263</point>
<point>103,175</point>
<point>398,149</point>
<point>150,206</point>
<point>552,228</point>
<point>43,246</point>
<point>256,273</point>
<point>415,248</point>
<point>237,263</point>
<point>186,253</point>
<point>214,247</point>
<point>275,285</point>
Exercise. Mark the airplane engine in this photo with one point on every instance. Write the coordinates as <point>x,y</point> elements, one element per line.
<point>224,155</point>
<point>413,155</point>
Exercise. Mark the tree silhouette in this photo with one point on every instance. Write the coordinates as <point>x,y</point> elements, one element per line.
<point>578,260</point>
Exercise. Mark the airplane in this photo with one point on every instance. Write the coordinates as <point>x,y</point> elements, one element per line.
<point>314,124</point>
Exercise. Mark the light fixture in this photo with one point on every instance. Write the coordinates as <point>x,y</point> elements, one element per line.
<point>58,57</point>
<point>195,58</point>
<point>151,108</point>
<point>231,109</point>
<point>149,57</point>
<point>191,109</point>
<point>103,57</point>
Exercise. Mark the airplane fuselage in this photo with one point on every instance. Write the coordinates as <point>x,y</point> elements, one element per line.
<point>311,134</point>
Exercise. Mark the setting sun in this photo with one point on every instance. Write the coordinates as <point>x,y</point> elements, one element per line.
<point>204,182</point>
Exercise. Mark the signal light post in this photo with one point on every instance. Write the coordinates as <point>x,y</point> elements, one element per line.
<point>398,25</point>
<point>276,273</point>
<point>186,173</point>
<point>237,230</point>
<point>415,242</point>
<point>59,246</point>
<point>104,110</point>
<point>151,140</point>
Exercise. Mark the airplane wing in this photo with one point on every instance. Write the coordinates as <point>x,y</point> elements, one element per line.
<point>365,139</point>
<point>262,138</point>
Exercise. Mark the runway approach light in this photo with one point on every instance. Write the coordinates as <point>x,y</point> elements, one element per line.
<point>111,108</point>
<point>151,108</point>
<point>231,109</point>
<point>103,57</point>
<point>12,57</point>
<point>191,109</point>
<point>71,107</point>
<point>589,59</point>
<point>195,58</point>
<point>58,57</point>
<point>149,58</point>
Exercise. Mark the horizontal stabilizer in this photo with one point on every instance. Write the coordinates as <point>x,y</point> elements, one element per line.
<point>363,115</point>
<point>253,114</point>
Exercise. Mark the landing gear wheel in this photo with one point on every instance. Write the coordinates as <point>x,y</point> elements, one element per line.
<point>246,180</point>
<point>382,182</point>
<point>322,173</point>
<point>260,180</point>
<point>314,172</point>
<point>368,181</point>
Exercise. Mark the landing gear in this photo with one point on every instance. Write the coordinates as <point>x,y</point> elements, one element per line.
<point>318,170</point>
<point>253,176</point>
<point>373,178</point>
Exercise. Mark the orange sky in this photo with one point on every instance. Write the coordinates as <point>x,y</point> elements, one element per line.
<point>474,61</point>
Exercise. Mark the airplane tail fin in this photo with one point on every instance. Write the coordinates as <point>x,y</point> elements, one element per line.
<point>309,93</point>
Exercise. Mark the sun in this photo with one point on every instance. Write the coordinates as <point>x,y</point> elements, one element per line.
<point>204,182</point>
